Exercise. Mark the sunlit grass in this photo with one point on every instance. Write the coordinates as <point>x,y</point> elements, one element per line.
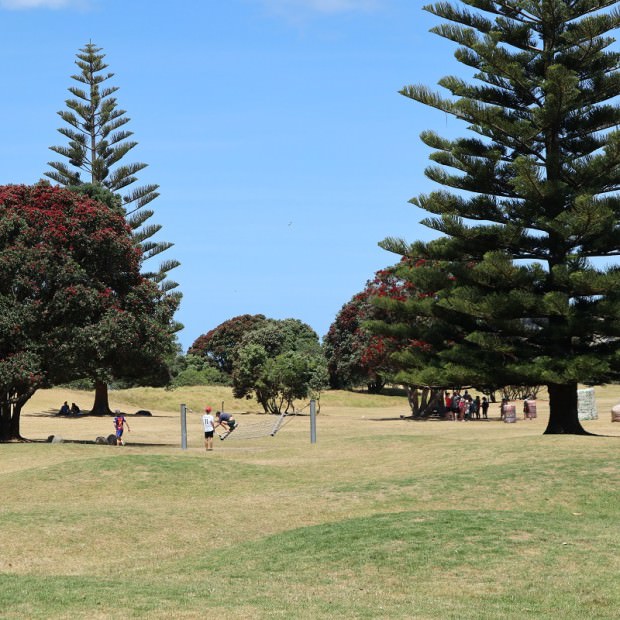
<point>381,518</point>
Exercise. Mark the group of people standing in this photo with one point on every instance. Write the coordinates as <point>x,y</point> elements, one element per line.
<point>463,407</point>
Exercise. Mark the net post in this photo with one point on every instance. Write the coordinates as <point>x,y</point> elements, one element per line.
<point>313,421</point>
<point>183,427</point>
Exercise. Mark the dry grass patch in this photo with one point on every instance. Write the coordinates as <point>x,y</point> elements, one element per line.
<point>383,515</point>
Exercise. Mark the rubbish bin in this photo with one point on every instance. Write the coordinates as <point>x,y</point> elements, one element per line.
<point>510,414</point>
<point>529,409</point>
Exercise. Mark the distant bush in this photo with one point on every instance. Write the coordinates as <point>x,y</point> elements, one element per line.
<point>79,384</point>
<point>206,376</point>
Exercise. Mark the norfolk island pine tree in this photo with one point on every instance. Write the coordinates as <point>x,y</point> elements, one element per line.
<point>97,142</point>
<point>536,197</point>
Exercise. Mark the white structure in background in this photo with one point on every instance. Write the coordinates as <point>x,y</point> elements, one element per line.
<point>586,404</point>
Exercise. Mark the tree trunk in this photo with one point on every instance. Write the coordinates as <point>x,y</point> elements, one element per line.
<point>376,386</point>
<point>10,414</point>
<point>413,397</point>
<point>563,412</point>
<point>436,403</point>
<point>262,400</point>
<point>424,402</point>
<point>7,422</point>
<point>101,405</point>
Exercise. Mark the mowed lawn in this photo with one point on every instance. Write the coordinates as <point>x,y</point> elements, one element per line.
<point>383,517</point>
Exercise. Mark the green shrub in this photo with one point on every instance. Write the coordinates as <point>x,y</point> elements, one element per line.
<point>206,376</point>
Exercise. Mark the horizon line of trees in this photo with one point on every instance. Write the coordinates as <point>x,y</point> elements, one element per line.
<point>510,292</point>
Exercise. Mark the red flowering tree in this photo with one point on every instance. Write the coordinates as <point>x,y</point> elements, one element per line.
<point>355,355</point>
<point>217,346</point>
<point>387,333</point>
<point>72,300</point>
<point>422,340</point>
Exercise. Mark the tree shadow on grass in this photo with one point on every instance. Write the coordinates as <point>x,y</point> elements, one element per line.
<point>53,413</point>
<point>409,418</point>
<point>91,442</point>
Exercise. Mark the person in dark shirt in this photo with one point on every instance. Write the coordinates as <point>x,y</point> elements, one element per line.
<point>227,421</point>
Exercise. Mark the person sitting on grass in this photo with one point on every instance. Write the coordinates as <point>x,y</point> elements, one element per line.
<point>64,410</point>
<point>227,421</point>
<point>75,410</point>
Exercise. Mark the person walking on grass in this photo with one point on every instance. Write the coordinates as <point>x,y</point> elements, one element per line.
<point>119,426</point>
<point>208,424</point>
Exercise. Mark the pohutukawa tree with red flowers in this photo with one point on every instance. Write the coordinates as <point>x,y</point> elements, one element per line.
<point>419,340</point>
<point>216,348</point>
<point>72,299</point>
<point>355,354</point>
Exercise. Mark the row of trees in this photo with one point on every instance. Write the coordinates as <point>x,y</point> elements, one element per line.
<point>512,290</point>
<point>77,300</point>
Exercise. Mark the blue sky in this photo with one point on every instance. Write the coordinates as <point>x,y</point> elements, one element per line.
<point>274,128</point>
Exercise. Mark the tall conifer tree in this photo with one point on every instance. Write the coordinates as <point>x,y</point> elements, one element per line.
<point>534,204</point>
<point>98,141</point>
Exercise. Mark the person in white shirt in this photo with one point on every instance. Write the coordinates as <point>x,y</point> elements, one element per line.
<point>208,424</point>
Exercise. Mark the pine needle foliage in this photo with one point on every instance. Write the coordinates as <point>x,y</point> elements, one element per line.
<point>96,134</point>
<point>529,209</point>
<point>98,140</point>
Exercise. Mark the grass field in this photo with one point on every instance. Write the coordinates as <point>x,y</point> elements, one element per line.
<point>382,518</point>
